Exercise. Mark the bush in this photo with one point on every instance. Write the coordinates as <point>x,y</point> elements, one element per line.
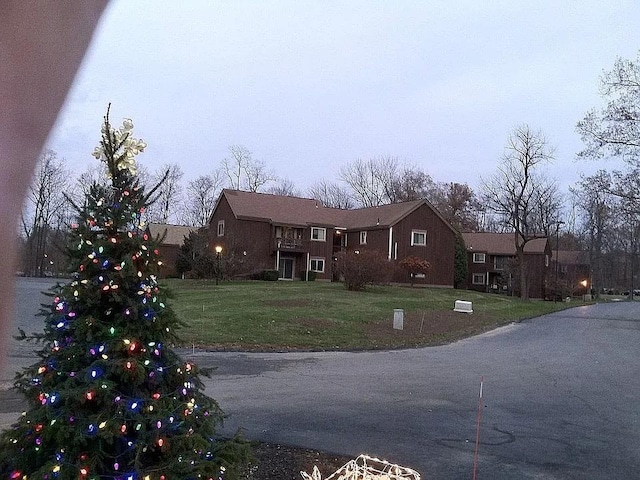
<point>312,276</point>
<point>414,266</point>
<point>270,275</point>
<point>364,268</point>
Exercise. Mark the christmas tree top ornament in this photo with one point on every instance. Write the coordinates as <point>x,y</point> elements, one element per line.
<point>108,397</point>
<point>122,139</point>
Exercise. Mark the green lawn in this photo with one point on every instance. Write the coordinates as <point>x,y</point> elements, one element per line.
<point>325,316</point>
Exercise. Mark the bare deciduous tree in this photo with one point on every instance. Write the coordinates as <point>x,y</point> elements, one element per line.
<point>411,183</point>
<point>372,181</point>
<point>93,174</point>
<point>615,129</point>
<point>244,172</point>
<point>457,202</point>
<point>285,188</point>
<point>521,195</point>
<point>331,195</point>
<point>166,203</point>
<point>627,188</point>
<point>46,210</point>
<point>384,180</point>
<point>595,201</point>
<point>234,165</point>
<point>202,194</point>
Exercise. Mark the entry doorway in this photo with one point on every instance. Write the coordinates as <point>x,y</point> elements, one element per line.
<point>286,268</point>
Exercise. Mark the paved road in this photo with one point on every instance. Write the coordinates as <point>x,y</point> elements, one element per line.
<point>561,397</point>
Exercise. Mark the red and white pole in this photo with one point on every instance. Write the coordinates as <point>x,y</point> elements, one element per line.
<point>475,455</point>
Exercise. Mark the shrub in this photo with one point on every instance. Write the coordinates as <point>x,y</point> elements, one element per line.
<point>270,275</point>
<point>359,269</point>
<point>415,265</point>
<point>312,276</point>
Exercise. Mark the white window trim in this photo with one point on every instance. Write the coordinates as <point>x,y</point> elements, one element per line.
<point>319,229</point>
<point>477,275</point>
<point>221,230</point>
<point>477,256</point>
<point>416,244</point>
<point>363,237</point>
<point>317,259</point>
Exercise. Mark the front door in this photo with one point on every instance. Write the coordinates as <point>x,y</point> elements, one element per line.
<point>286,268</point>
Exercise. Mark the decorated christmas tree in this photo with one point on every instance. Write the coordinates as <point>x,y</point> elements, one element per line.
<point>109,398</point>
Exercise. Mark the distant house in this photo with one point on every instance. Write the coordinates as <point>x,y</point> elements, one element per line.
<point>171,239</point>
<point>295,235</point>
<point>493,264</point>
<point>572,272</point>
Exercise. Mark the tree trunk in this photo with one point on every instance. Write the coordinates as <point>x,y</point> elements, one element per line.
<point>524,277</point>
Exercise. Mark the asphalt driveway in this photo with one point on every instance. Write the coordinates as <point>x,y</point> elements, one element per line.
<point>561,397</point>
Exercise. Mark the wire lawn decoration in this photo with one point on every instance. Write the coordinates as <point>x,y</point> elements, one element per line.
<point>366,468</point>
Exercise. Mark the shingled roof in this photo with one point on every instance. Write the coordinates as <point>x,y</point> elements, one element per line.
<point>303,212</point>
<point>571,257</point>
<point>280,209</point>
<point>382,216</point>
<point>175,234</point>
<point>500,243</point>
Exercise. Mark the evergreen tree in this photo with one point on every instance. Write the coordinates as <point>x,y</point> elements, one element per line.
<point>195,256</point>
<point>108,398</point>
<point>460,263</point>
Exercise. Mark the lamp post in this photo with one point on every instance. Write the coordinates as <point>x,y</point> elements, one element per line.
<point>218,252</point>
<point>555,296</point>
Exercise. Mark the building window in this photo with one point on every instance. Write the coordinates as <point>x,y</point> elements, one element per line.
<point>479,258</point>
<point>221,228</point>
<point>478,279</point>
<point>363,238</point>
<point>317,265</point>
<point>500,263</point>
<point>418,238</point>
<point>290,233</point>
<point>319,234</point>
<point>546,260</point>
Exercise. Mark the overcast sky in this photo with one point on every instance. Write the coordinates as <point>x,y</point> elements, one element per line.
<point>308,87</point>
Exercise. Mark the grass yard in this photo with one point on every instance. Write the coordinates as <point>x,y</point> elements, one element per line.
<point>279,316</point>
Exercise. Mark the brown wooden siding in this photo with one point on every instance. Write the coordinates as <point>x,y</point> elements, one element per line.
<point>321,250</point>
<point>377,240</point>
<point>248,239</point>
<point>168,256</point>
<point>536,266</point>
<point>439,250</point>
